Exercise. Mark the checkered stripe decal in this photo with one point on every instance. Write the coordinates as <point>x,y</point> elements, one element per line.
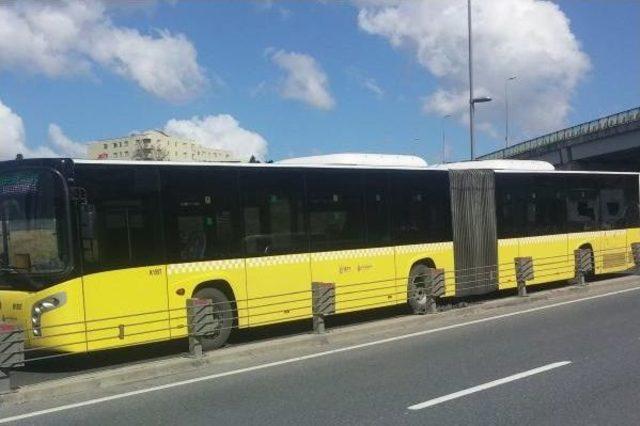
<point>352,254</point>
<point>417,248</point>
<point>286,259</point>
<point>559,237</point>
<point>214,265</point>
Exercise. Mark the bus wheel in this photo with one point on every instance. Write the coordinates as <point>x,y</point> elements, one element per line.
<point>420,290</point>
<point>223,317</point>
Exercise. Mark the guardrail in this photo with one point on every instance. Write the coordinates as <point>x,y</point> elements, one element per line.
<point>590,127</point>
<point>202,318</point>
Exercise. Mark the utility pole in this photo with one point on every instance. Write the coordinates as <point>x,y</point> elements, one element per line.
<point>471,141</point>
<point>472,99</point>
<point>444,140</point>
<point>506,110</point>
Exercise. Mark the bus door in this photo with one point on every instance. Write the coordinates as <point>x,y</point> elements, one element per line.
<point>276,245</point>
<point>349,220</point>
<point>124,281</point>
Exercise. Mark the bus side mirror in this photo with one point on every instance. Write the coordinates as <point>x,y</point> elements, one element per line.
<point>88,221</point>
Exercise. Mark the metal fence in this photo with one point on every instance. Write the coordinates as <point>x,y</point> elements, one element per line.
<point>200,319</point>
<point>590,127</point>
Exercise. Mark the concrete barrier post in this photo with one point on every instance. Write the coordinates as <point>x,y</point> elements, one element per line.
<point>200,322</point>
<point>524,273</point>
<point>11,354</point>
<point>323,297</point>
<point>635,250</point>
<point>584,265</point>
<point>437,287</point>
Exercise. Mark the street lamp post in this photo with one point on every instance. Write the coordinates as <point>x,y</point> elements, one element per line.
<point>470,80</point>
<point>444,139</point>
<point>506,110</point>
<point>472,100</point>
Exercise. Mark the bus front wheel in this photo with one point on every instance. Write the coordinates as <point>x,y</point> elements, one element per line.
<point>223,318</point>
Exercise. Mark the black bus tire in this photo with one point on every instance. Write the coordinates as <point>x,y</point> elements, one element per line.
<point>223,311</point>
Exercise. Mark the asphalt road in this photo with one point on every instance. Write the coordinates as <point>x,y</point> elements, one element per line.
<point>577,363</point>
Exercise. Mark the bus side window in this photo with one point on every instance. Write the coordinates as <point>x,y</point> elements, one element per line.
<point>377,208</point>
<point>273,212</point>
<point>201,220</point>
<point>619,201</point>
<point>336,209</point>
<point>631,207</point>
<point>583,206</point>
<point>421,207</point>
<point>127,217</point>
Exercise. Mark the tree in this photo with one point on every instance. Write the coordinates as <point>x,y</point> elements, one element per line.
<point>146,152</point>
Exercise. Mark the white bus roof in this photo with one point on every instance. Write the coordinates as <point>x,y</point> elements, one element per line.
<point>530,165</point>
<point>358,159</point>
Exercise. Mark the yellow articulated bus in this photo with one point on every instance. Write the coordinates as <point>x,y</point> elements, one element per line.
<point>103,254</point>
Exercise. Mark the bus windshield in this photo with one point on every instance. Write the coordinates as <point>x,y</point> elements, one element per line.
<point>33,231</point>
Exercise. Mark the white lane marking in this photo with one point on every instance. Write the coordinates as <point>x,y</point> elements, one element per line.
<point>487,385</point>
<point>304,358</point>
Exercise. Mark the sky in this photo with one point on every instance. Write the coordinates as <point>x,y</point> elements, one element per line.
<point>279,79</point>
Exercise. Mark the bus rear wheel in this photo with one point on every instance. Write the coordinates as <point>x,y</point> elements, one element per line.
<point>223,318</point>
<point>420,291</point>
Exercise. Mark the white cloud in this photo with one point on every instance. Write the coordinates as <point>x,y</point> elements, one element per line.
<point>531,39</point>
<point>62,38</point>
<point>372,85</point>
<point>305,80</point>
<point>65,146</point>
<point>13,138</point>
<point>222,132</point>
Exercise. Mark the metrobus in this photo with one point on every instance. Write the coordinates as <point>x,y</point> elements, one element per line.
<point>103,254</point>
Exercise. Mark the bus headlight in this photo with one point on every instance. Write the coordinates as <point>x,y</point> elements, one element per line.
<point>45,305</point>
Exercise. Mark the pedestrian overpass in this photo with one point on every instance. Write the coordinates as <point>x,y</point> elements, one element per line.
<point>608,143</point>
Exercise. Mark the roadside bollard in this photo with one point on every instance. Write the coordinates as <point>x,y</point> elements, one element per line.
<point>323,297</point>
<point>11,353</point>
<point>584,265</point>
<point>524,273</point>
<point>437,284</point>
<point>200,322</point>
<point>635,250</point>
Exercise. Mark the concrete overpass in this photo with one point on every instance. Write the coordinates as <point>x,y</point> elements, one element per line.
<point>608,143</point>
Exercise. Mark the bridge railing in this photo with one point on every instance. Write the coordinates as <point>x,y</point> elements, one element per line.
<point>590,127</point>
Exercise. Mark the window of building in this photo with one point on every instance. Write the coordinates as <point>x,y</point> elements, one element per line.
<point>336,209</point>
<point>105,146</point>
<point>273,212</point>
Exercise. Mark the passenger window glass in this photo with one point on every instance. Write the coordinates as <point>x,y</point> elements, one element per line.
<point>583,205</point>
<point>336,215</point>
<point>377,210</point>
<point>128,221</point>
<point>202,221</point>
<point>422,207</point>
<point>273,212</point>
<point>618,201</point>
